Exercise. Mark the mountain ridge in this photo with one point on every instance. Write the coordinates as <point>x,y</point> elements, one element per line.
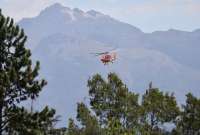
<point>64,45</point>
<point>60,6</point>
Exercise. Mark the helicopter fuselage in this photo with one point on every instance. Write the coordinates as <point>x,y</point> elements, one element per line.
<point>107,58</point>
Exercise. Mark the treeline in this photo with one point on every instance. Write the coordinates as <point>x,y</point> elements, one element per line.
<point>113,109</point>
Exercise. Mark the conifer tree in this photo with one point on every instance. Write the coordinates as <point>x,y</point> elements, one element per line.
<point>90,125</point>
<point>73,129</point>
<point>114,110</point>
<point>18,76</point>
<point>157,108</point>
<point>31,123</point>
<point>111,100</point>
<point>189,121</point>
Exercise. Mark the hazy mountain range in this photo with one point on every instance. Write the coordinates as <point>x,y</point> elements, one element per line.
<point>63,38</point>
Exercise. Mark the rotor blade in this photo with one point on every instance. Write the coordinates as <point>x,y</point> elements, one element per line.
<point>97,54</point>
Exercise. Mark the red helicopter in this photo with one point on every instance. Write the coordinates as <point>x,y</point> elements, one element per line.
<point>107,57</point>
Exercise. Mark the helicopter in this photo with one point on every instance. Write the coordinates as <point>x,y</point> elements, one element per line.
<point>107,57</point>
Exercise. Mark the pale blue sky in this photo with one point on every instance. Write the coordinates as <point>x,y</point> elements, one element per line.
<point>148,15</point>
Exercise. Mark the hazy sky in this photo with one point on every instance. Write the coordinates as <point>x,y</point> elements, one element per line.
<point>148,15</point>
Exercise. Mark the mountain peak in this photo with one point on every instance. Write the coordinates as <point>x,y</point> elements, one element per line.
<point>58,11</point>
<point>77,10</point>
<point>56,7</point>
<point>94,13</point>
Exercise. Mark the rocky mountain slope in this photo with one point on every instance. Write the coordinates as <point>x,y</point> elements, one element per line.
<point>63,38</point>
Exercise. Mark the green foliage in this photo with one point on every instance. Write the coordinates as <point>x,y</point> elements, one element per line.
<point>89,123</point>
<point>17,74</point>
<point>157,108</point>
<point>114,127</point>
<point>19,82</point>
<point>112,100</point>
<point>58,131</point>
<point>114,110</point>
<point>73,129</point>
<point>117,110</point>
<point>189,121</point>
<point>28,123</point>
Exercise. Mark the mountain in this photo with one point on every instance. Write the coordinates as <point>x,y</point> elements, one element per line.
<point>76,23</point>
<point>63,40</point>
<point>180,45</point>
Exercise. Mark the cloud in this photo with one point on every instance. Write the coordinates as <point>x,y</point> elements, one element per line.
<point>180,6</point>
<point>23,8</point>
<point>29,8</point>
<point>158,13</point>
<point>193,8</point>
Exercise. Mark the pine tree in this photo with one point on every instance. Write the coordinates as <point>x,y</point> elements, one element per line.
<point>18,76</point>
<point>73,129</point>
<point>31,123</point>
<point>114,110</point>
<point>90,125</point>
<point>111,100</point>
<point>157,108</point>
<point>189,122</point>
